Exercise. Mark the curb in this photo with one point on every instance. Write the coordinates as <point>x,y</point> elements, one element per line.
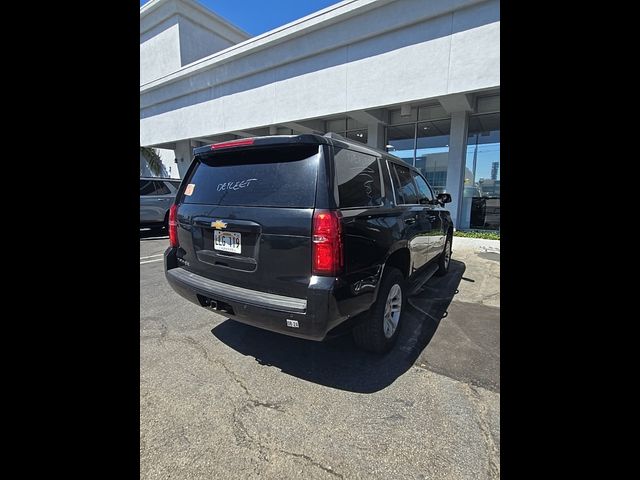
<point>475,244</point>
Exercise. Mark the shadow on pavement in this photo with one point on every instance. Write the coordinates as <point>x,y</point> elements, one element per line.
<point>338,363</point>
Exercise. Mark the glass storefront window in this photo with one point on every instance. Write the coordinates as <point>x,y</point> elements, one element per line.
<point>421,138</point>
<point>481,195</point>
<point>432,152</point>
<point>424,145</point>
<point>401,141</point>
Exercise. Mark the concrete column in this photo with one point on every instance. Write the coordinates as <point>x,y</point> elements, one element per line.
<point>456,166</point>
<point>375,135</point>
<point>184,154</point>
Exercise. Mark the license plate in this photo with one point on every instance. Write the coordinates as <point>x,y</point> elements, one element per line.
<point>227,241</point>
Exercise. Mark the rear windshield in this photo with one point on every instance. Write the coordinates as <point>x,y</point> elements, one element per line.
<point>268,177</point>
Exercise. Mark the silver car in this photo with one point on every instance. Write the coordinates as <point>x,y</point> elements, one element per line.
<point>156,197</point>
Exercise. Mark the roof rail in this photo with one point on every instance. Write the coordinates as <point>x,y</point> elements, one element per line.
<point>334,135</point>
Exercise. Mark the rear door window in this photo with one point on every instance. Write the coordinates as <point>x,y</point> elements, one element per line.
<point>358,179</point>
<point>283,176</point>
<point>403,182</point>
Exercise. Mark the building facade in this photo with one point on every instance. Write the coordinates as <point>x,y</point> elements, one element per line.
<point>418,78</point>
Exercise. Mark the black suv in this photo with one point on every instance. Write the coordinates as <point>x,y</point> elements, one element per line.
<point>306,235</point>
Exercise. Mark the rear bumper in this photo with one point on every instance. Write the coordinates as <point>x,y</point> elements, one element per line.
<point>316,315</point>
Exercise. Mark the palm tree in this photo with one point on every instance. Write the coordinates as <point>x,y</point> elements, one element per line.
<point>154,161</point>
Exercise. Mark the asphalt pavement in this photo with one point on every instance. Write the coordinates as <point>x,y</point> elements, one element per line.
<point>219,399</point>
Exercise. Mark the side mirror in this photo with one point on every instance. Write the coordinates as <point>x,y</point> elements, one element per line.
<point>424,201</point>
<point>444,198</point>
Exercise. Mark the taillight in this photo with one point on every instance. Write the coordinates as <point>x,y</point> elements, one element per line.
<point>232,143</point>
<point>327,243</point>
<point>173,226</point>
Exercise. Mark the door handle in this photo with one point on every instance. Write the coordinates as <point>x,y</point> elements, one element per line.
<point>410,221</point>
<point>431,217</point>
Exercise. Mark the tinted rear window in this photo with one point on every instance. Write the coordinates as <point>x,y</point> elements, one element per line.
<point>358,178</point>
<point>268,177</point>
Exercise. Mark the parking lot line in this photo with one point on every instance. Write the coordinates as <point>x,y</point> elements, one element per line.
<point>152,256</point>
<point>151,261</point>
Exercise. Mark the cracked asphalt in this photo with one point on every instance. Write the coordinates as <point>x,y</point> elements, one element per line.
<point>219,399</point>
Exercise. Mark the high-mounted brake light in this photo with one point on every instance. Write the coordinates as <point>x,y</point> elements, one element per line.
<point>327,243</point>
<point>232,143</point>
<point>173,226</point>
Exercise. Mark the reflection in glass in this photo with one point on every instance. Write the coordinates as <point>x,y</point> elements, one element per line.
<point>481,195</point>
<point>405,189</point>
<point>432,152</point>
<point>401,141</point>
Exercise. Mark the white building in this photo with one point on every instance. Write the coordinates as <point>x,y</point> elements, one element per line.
<point>420,78</point>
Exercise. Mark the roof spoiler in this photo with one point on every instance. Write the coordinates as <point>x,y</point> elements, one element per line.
<point>254,142</point>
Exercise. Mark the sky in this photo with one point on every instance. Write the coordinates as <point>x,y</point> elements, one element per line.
<point>259,16</point>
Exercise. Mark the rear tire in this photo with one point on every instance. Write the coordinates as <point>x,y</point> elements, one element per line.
<point>378,330</point>
<point>445,258</point>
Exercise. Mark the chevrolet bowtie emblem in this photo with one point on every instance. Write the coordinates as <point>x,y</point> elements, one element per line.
<point>219,224</point>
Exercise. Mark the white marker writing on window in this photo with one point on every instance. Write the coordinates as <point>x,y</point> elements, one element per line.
<point>235,185</point>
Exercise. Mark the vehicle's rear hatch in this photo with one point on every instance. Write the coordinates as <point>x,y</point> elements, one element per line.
<point>260,200</point>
